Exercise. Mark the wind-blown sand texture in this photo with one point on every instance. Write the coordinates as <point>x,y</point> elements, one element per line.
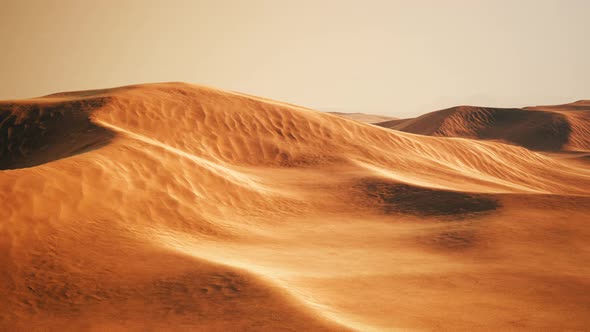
<point>180,207</point>
<point>542,128</point>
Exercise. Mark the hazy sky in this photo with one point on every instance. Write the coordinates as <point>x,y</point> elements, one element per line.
<point>391,57</point>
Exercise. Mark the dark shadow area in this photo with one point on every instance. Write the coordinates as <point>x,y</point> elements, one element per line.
<point>541,131</point>
<point>402,198</point>
<point>42,131</point>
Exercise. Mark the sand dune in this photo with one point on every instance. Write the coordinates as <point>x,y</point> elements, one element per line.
<point>362,117</point>
<point>543,128</point>
<point>182,207</point>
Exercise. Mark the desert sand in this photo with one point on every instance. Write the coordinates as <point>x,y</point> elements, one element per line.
<point>363,117</point>
<point>541,128</point>
<point>181,207</point>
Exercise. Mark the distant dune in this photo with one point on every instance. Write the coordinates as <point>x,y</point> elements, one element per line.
<point>362,117</point>
<point>181,207</point>
<point>543,128</point>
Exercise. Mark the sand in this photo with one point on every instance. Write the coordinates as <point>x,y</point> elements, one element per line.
<point>541,128</point>
<point>363,117</point>
<point>181,207</point>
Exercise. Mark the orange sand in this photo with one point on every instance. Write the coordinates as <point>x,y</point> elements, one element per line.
<point>542,128</point>
<point>362,117</point>
<point>181,207</point>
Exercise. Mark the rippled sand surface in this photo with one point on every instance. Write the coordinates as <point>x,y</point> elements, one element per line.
<point>181,207</point>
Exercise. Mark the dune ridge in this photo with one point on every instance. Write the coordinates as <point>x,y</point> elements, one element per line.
<point>544,128</point>
<point>363,117</point>
<point>178,206</point>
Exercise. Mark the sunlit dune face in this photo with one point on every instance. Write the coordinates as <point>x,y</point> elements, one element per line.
<point>181,207</point>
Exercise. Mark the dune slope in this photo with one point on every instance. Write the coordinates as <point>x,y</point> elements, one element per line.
<point>362,117</point>
<point>543,128</point>
<point>181,207</point>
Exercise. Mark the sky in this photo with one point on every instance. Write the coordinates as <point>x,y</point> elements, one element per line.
<point>399,58</point>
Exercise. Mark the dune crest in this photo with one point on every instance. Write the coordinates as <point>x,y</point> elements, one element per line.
<point>177,206</point>
<point>362,117</point>
<point>544,128</point>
